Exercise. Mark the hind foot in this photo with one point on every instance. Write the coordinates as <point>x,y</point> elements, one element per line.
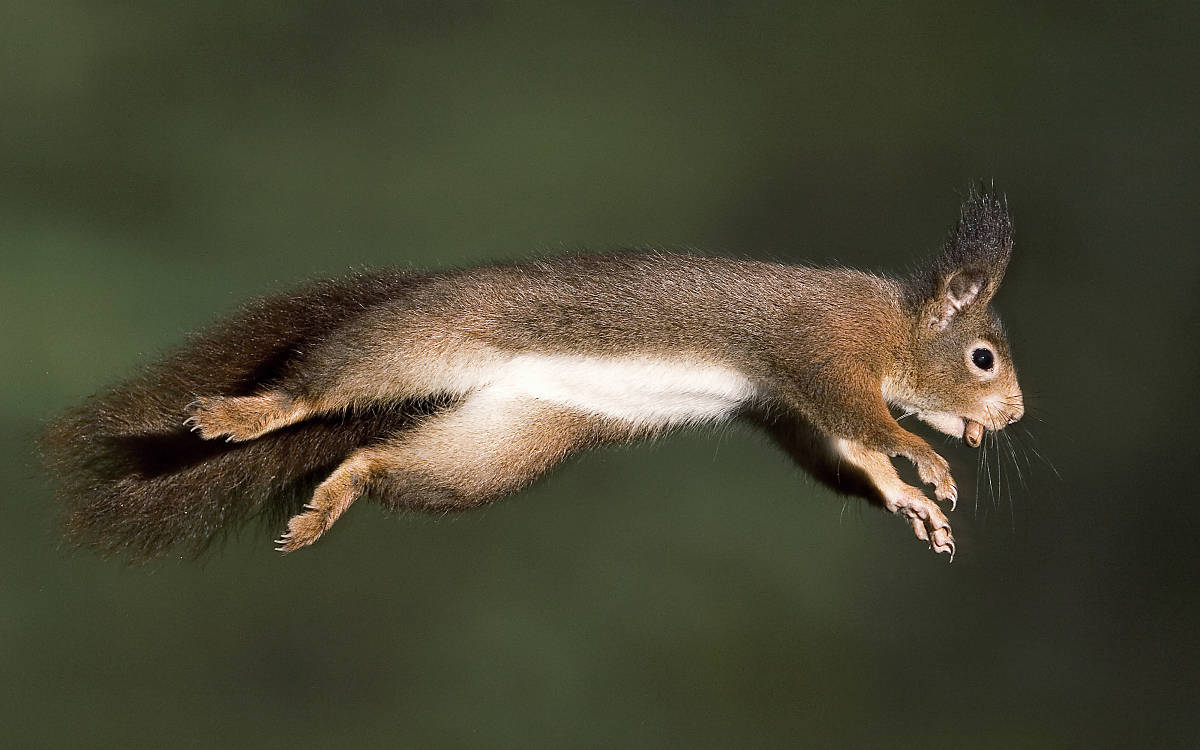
<point>240,418</point>
<point>330,500</point>
<point>303,529</point>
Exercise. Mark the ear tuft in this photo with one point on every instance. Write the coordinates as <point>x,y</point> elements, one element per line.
<point>972,263</point>
<point>983,237</point>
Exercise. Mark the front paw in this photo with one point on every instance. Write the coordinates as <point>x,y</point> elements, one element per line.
<point>928,522</point>
<point>935,470</point>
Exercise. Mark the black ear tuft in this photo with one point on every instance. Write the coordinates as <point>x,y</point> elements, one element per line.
<point>971,265</point>
<point>983,238</point>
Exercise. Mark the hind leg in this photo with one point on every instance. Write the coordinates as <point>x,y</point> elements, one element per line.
<point>419,366</point>
<point>488,446</point>
<point>241,418</point>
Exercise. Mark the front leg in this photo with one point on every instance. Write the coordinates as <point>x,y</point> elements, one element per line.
<point>856,411</point>
<point>880,432</point>
<point>932,468</point>
<point>927,520</point>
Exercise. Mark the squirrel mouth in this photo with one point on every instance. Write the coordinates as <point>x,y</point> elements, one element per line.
<point>972,432</point>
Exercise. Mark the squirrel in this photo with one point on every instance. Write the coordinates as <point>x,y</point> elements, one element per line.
<point>443,391</point>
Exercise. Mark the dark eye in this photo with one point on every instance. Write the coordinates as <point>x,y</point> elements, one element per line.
<point>982,358</point>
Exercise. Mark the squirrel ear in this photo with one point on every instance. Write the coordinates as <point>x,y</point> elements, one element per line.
<point>971,266</point>
<point>958,291</point>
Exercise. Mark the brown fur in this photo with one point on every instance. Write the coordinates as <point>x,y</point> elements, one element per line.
<point>456,459</point>
<point>369,377</point>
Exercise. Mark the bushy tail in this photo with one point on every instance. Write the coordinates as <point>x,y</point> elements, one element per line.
<point>136,482</point>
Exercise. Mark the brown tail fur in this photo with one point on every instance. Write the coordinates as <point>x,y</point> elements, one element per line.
<point>136,482</point>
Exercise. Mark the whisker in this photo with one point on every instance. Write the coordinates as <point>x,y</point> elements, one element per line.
<point>1051,425</point>
<point>1023,455</point>
<point>1038,453</point>
<point>1012,510</point>
<point>1012,453</point>
<point>999,468</point>
<point>987,466</point>
<point>978,473</point>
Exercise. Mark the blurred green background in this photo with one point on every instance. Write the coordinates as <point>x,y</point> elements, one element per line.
<point>162,162</point>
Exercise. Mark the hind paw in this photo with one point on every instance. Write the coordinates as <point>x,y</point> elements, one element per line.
<point>303,529</point>
<point>236,418</point>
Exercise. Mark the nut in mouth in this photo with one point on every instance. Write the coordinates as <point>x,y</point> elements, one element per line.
<point>973,433</point>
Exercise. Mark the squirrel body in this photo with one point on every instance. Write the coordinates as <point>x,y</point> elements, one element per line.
<point>446,390</point>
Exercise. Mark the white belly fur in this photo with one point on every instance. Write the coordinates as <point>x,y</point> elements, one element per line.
<point>640,390</point>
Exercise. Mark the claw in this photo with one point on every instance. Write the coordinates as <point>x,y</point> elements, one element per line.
<point>948,546</point>
<point>943,542</point>
<point>928,522</point>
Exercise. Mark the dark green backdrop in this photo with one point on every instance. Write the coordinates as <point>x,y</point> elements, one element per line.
<point>161,162</point>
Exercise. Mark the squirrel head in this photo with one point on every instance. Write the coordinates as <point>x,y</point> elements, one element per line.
<point>962,370</point>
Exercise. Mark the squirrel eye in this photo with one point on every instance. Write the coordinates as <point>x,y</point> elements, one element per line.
<point>982,358</point>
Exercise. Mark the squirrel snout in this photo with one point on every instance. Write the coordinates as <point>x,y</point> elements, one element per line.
<point>1016,410</point>
<point>1003,411</point>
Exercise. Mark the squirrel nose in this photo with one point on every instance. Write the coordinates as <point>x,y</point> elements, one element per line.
<point>1018,411</point>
